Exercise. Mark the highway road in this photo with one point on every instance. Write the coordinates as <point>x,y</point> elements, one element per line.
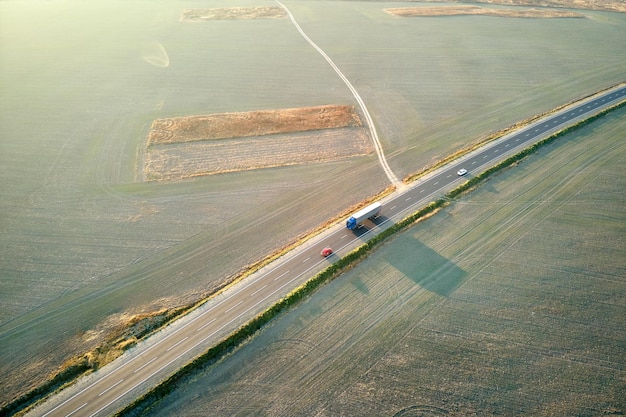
<point>150,362</point>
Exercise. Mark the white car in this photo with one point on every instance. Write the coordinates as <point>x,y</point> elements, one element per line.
<point>461,172</point>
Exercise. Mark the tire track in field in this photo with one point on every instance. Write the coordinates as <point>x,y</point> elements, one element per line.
<point>373,133</point>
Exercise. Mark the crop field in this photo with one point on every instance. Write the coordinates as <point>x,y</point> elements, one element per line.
<point>510,301</point>
<point>86,244</point>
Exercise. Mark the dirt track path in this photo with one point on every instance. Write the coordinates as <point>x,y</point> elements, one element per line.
<point>377,145</point>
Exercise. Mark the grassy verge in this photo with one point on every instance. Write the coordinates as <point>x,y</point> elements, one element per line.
<point>69,373</point>
<point>145,403</point>
<point>138,328</point>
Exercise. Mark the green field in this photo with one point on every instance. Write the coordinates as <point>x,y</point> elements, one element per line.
<point>508,302</point>
<point>85,241</point>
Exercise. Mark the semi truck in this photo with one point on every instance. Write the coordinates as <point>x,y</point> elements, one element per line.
<point>360,216</point>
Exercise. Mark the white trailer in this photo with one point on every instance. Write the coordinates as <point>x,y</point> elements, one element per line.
<point>360,216</point>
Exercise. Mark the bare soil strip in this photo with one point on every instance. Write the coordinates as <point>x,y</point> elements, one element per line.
<point>232,13</point>
<point>477,10</point>
<point>254,123</point>
<point>602,5</point>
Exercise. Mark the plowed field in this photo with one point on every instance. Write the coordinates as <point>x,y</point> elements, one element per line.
<point>186,160</point>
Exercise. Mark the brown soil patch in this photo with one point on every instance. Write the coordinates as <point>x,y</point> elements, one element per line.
<point>254,123</point>
<point>602,5</point>
<point>233,13</point>
<point>477,10</point>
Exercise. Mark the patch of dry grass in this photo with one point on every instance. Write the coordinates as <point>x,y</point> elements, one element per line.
<point>233,13</point>
<point>116,335</point>
<point>253,123</point>
<point>603,5</point>
<point>477,10</point>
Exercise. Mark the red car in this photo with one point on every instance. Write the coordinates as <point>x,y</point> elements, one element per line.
<point>327,251</point>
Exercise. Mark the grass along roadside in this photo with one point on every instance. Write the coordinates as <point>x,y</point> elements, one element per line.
<point>144,404</point>
<point>137,328</point>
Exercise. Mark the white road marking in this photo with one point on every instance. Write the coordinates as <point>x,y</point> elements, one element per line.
<point>206,324</point>
<point>111,387</point>
<point>436,183</point>
<point>278,277</point>
<point>306,259</point>
<point>344,236</point>
<point>258,290</point>
<point>389,209</point>
<point>422,191</point>
<point>76,410</point>
<point>187,337</point>
<point>407,199</point>
<point>145,364</point>
<point>226,311</point>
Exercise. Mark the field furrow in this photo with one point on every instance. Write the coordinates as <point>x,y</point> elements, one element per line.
<point>184,160</point>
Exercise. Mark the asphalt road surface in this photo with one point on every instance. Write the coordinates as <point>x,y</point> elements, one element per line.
<point>145,365</point>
